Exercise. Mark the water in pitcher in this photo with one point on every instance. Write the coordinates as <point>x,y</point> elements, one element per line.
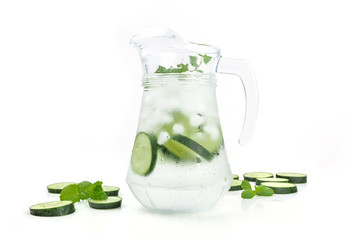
<point>180,113</point>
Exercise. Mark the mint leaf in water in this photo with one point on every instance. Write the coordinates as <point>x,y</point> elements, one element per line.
<point>161,69</point>
<point>180,69</point>
<point>70,193</point>
<point>206,59</point>
<point>193,61</point>
<point>247,194</point>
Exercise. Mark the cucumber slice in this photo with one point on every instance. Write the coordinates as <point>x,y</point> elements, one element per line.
<point>110,202</point>
<point>143,156</point>
<point>236,185</point>
<point>281,188</point>
<point>179,150</point>
<point>58,187</point>
<point>252,176</point>
<point>212,144</point>
<point>193,146</point>
<point>195,128</point>
<point>293,177</point>
<point>234,176</point>
<point>261,180</point>
<point>111,190</point>
<point>52,209</point>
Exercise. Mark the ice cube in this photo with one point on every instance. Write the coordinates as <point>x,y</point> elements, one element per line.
<point>178,128</point>
<point>163,138</point>
<point>196,120</point>
<point>213,131</point>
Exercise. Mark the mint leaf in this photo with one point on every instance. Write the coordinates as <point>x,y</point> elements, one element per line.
<point>246,185</point>
<point>161,69</point>
<point>206,58</point>
<point>193,61</point>
<point>180,68</point>
<point>99,196</point>
<point>247,194</point>
<point>70,193</point>
<point>97,192</point>
<point>264,191</point>
<point>84,191</point>
<point>259,188</point>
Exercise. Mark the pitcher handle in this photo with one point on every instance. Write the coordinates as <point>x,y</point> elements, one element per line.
<point>243,69</point>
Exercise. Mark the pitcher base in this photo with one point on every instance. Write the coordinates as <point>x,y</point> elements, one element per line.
<point>184,200</point>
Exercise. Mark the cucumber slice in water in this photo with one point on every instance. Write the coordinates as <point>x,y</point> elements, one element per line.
<point>144,152</point>
<point>236,185</point>
<point>109,203</point>
<point>261,180</point>
<point>208,136</point>
<point>111,190</point>
<point>52,209</point>
<point>235,177</point>
<point>58,187</point>
<point>293,177</point>
<point>281,188</point>
<point>186,148</point>
<point>252,176</point>
<point>179,150</point>
<point>194,146</point>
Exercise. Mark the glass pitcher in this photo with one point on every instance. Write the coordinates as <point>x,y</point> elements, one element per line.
<point>178,161</point>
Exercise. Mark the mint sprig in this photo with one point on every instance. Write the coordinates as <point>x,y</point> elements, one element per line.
<point>259,190</point>
<point>82,191</point>
<point>180,68</point>
<point>195,62</point>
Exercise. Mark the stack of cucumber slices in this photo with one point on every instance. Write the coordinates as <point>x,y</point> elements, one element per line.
<point>283,183</point>
<point>183,139</point>
<point>61,208</point>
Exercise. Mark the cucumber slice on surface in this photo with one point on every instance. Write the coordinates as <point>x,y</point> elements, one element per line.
<point>281,188</point>
<point>236,177</point>
<point>252,176</point>
<point>144,152</point>
<point>111,190</point>
<point>236,185</point>
<point>109,203</point>
<point>58,187</point>
<point>261,180</point>
<point>52,209</point>
<point>293,177</point>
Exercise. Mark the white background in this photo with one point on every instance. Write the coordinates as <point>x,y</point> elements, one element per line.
<point>70,98</point>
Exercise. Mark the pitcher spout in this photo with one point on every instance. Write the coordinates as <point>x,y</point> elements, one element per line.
<point>164,51</point>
